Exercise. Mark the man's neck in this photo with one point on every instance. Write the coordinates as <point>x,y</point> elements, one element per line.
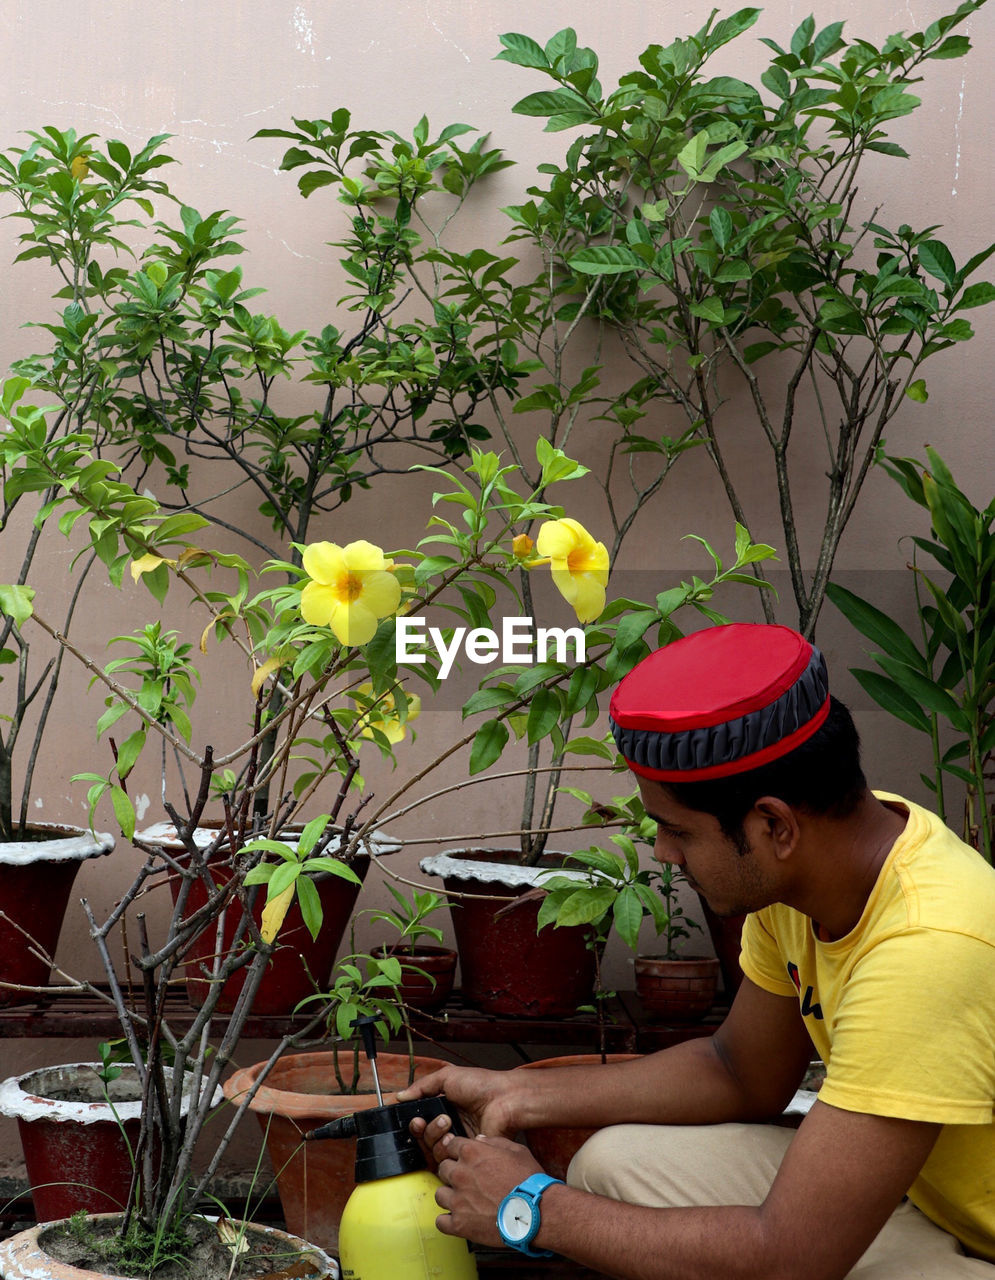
<point>843,861</point>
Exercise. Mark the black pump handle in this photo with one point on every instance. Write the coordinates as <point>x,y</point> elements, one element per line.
<point>366,1024</point>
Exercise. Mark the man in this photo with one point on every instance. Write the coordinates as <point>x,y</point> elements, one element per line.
<point>871,936</point>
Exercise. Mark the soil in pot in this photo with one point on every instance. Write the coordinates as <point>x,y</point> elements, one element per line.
<point>507,967</point>
<point>36,880</point>
<point>682,989</point>
<point>75,1249</point>
<point>556,1145</point>
<point>315,1179</point>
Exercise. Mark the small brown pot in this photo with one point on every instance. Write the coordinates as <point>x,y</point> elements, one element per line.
<point>23,1256</point>
<point>315,1179</point>
<point>430,988</point>
<point>682,990</point>
<point>556,1145</point>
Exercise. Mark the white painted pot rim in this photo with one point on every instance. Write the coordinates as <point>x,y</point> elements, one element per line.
<point>21,1098</point>
<point>452,864</point>
<point>67,844</point>
<point>22,1257</point>
<point>164,833</point>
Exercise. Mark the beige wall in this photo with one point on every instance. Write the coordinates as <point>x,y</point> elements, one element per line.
<point>212,74</point>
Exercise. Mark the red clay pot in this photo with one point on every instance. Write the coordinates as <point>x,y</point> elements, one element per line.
<point>432,987</point>
<point>507,967</point>
<point>555,1146</point>
<point>76,1148</point>
<point>315,1179</point>
<point>299,962</point>
<point>36,879</point>
<point>682,989</point>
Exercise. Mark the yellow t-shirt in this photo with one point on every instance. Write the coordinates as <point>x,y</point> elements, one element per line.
<point>902,1010</point>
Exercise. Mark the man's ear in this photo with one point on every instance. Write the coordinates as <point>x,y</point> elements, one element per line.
<point>776,823</point>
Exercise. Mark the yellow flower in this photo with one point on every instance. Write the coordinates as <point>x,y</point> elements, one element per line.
<point>383,715</point>
<point>579,565</point>
<point>350,589</point>
<point>521,546</point>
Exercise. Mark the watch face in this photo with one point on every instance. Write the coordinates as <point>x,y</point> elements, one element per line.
<point>516,1218</point>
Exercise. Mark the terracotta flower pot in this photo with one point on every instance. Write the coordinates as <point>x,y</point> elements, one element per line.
<point>315,1179</point>
<point>556,1145</point>
<point>75,1142</point>
<point>507,967</point>
<point>24,1256</point>
<point>682,989</point>
<point>36,879</point>
<point>430,988</point>
<point>299,961</point>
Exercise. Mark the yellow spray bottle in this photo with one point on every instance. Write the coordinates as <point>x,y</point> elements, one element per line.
<point>388,1229</point>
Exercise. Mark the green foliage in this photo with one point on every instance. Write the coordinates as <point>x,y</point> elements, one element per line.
<point>409,918</point>
<point>612,891</point>
<point>707,221</point>
<point>945,676</point>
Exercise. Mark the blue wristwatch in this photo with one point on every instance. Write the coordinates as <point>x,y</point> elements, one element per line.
<point>518,1216</point>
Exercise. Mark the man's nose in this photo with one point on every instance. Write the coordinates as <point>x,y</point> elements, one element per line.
<point>665,850</point>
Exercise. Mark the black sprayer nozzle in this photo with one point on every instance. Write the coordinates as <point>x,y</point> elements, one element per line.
<point>385,1146</point>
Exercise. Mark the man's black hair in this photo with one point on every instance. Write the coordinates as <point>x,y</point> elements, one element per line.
<point>822,776</point>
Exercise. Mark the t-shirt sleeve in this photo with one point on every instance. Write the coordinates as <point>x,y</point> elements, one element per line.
<point>761,958</point>
<point>911,1044</point>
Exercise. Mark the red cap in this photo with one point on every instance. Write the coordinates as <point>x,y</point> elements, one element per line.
<point>720,702</point>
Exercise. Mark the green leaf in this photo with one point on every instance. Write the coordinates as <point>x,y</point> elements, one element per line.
<point>605,260</point>
<point>893,698</point>
<point>710,309</point>
<point>544,713</point>
<point>926,691</point>
<point>585,684</point>
<point>878,627</point>
<point>311,834</point>
<point>721,224</point>
<point>917,391</point>
<point>124,811</point>
<point>15,602</point>
<point>628,916</point>
<point>936,258</point>
<point>585,906</point>
<point>976,295</point>
<point>309,901</point>
<point>488,743</point>
<point>523,51</point>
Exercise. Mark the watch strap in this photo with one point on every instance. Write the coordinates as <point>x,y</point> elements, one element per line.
<point>531,1189</point>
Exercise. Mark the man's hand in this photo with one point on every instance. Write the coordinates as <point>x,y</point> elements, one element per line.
<point>483,1097</point>
<point>477,1174</point>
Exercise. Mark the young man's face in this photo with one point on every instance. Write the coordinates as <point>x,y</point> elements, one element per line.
<point>732,877</point>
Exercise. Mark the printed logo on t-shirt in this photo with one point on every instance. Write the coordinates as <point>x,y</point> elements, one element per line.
<point>810,1007</point>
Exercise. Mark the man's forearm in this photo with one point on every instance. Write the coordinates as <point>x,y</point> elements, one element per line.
<point>688,1084</point>
<point>631,1242</point>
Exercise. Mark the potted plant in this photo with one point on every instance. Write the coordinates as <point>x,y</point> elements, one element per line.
<point>428,969</point>
<point>672,986</point>
<point>302,1091</point>
<point>39,861</point>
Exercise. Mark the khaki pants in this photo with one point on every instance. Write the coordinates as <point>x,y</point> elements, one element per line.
<point>685,1165</point>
